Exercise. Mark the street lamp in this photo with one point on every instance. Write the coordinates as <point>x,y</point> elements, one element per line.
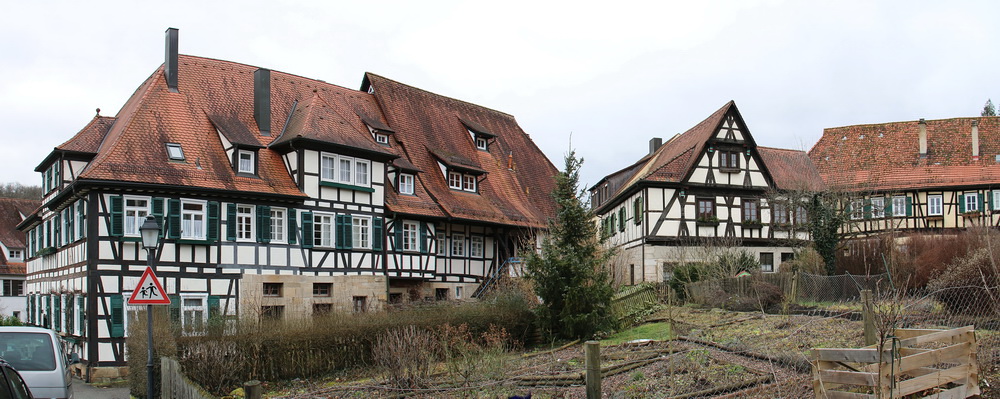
<point>150,231</point>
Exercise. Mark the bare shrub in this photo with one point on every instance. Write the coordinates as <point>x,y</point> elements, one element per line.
<point>969,285</point>
<point>806,260</point>
<point>929,254</point>
<point>164,344</point>
<point>473,358</point>
<point>406,356</point>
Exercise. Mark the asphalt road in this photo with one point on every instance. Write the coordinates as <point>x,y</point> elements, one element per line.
<point>81,390</point>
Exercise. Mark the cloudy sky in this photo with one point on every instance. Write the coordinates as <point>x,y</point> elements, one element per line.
<point>604,76</point>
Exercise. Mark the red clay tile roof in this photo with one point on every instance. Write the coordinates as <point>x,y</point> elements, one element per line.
<point>219,94</point>
<point>427,124</point>
<point>316,119</point>
<point>791,169</point>
<point>89,138</point>
<point>885,157</point>
<point>13,267</point>
<point>11,210</point>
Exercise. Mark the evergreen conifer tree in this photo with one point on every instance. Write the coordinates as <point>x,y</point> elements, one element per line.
<point>989,109</point>
<point>569,274</point>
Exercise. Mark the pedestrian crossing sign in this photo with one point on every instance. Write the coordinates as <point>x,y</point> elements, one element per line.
<point>149,291</point>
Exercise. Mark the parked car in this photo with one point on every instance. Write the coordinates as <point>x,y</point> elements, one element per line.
<point>11,384</point>
<point>38,355</point>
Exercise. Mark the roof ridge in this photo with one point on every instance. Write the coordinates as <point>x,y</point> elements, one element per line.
<point>440,95</point>
<point>196,57</point>
<point>909,121</point>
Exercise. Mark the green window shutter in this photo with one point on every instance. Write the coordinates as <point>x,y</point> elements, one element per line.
<point>117,316</point>
<point>231,222</point>
<point>909,206</point>
<point>887,209</point>
<point>345,239</point>
<point>173,226</point>
<point>213,222</point>
<point>56,228</point>
<point>48,310</point>
<point>293,227</point>
<point>398,235</point>
<point>621,219</point>
<point>307,230</point>
<point>158,214</point>
<point>57,314</point>
<point>31,309</point>
<point>868,210</point>
<point>961,203</point>
<point>81,303</point>
<point>82,215</point>
<point>58,180</point>
<point>117,216</point>
<point>376,234</point>
<point>264,223</point>
<point>175,309</point>
<point>982,202</point>
<point>423,237</point>
<point>68,219</point>
<point>214,310</point>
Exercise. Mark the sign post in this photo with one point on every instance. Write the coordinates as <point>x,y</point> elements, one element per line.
<point>149,292</point>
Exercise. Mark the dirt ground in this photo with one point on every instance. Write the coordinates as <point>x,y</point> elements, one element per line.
<point>718,354</point>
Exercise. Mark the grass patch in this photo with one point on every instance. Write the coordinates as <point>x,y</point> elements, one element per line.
<point>657,331</point>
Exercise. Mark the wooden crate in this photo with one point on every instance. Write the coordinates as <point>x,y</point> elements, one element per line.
<point>905,367</point>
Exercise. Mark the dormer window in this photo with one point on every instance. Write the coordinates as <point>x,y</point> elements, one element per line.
<point>406,183</point>
<point>381,138</point>
<point>481,143</point>
<point>469,183</point>
<point>455,180</point>
<point>245,162</point>
<point>175,152</point>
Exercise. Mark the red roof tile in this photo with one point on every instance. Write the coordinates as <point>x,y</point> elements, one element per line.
<point>791,169</point>
<point>429,128</point>
<point>11,212</point>
<point>885,156</point>
<point>89,138</point>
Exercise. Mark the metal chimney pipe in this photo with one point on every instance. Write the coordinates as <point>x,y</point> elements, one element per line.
<point>170,64</point>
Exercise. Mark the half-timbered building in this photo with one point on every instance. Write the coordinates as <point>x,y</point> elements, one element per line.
<point>12,254</point>
<point>708,187</point>
<point>279,196</point>
<point>936,176</point>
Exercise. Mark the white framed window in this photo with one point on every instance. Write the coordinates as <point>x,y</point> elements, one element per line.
<point>405,183</point>
<point>934,205</point>
<point>244,222</point>
<point>136,209</point>
<point>878,207</point>
<point>381,138</point>
<point>194,313</point>
<point>175,152</point>
<point>81,225</point>
<point>245,160</point>
<point>857,209</point>
<point>455,180</point>
<point>327,167</point>
<point>441,244</point>
<point>457,245</point>
<point>15,254</point>
<point>361,173</point>
<point>278,225</point>
<point>469,183</point>
<point>996,200</point>
<point>971,202</point>
<point>410,236</point>
<point>361,232</point>
<point>899,205</point>
<point>344,169</point>
<point>193,219</point>
<point>481,143</point>
<point>323,230</point>
<point>476,246</point>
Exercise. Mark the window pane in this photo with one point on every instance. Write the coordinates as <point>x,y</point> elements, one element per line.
<point>361,173</point>
<point>345,170</point>
<point>326,168</point>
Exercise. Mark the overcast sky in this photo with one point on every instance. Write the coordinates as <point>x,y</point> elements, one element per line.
<point>610,74</point>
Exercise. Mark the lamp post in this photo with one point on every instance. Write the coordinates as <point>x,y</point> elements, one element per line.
<point>150,231</point>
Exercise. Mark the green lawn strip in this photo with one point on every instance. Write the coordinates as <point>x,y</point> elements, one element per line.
<point>654,331</point>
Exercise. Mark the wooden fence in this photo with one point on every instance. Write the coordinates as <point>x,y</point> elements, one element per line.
<point>632,299</point>
<point>931,363</point>
<point>175,385</point>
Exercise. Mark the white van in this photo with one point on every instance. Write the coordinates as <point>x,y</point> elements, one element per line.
<point>38,355</point>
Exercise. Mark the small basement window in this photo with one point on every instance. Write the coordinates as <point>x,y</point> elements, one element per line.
<point>175,152</point>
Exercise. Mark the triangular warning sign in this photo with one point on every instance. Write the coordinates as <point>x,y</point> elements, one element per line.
<point>149,291</point>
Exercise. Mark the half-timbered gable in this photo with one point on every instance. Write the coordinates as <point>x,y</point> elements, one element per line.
<point>278,196</point>
<point>917,176</point>
<point>711,185</point>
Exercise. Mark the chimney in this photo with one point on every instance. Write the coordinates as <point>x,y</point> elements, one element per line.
<point>975,140</point>
<point>654,144</point>
<point>262,100</point>
<point>170,64</point>
<point>923,138</point>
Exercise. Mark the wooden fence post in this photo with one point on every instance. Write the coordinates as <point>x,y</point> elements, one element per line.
<point>868,314</point>
<point>252,389</point>
<point>592,353</point>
